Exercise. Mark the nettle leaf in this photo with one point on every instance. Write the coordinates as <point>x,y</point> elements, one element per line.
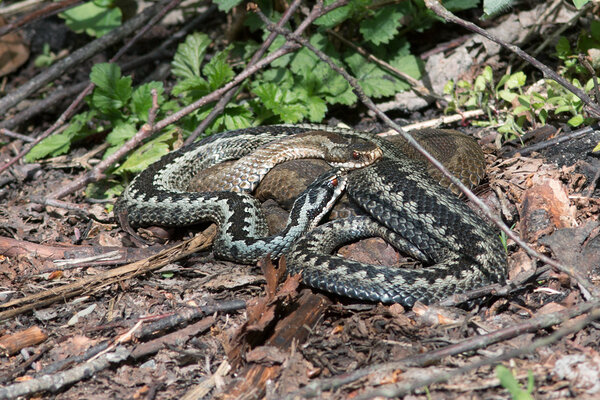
<point>141,99</point>
<point>218,70</point>
<point>383,26</point>
<point>281,102</point>
<point>112,91</point>
<point>96,21</point>
<point>189,56</point>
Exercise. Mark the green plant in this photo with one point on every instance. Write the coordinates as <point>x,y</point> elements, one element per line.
<point>508,381</point>
<point>95,18</point>
<point>46,58</point>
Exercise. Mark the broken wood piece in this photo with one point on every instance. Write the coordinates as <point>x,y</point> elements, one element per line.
<point>13,343</point>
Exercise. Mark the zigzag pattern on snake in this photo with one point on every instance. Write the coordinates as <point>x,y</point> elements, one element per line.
<point>406,206</point>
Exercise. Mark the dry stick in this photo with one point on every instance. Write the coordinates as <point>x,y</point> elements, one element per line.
<point>471,344</point>
<point>15,135</point>
<point>437,8</point>
<point>586,288</point>
<point>220,106</point>
<point>48,10</point>
<point>57,69</point>
<point>96,282</point>
<point>405,388</point>
<point>65,378</point>
<point>547,143</point>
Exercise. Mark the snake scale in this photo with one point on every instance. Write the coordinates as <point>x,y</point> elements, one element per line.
<point>404,205</point>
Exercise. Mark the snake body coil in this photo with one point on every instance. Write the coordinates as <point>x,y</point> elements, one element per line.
<point>407,207</point>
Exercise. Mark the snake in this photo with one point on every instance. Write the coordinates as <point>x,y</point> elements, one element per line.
<point>158,195</point>
<point>403,204</point>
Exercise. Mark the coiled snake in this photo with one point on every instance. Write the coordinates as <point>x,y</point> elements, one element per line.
<point>406,207</point>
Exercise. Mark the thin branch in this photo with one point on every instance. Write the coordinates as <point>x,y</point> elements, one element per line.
<point>586,288</point>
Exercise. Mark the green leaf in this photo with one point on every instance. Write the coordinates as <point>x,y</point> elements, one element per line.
<point>507,95</point>
<point>576,120</point>
<point>563,48</point>
<point>383,26</point>
<point>226,5</point>
<point>449,87</point>
<point>460,5</point>
<point>150,152</point>
<point>580,3</point>
<point>60,143</point>
<point>94,20</point>
<point>112,92</point>
<point>199,87</point>
<point>189,56</point>
<point>281,102</point>
<point>333,17</point>
<point>234,117</point>
<point>516,80</point>
<point>377,82</point>
<point>218,70</point>
<point>141,99</point>
<point>492,7</point>
<point>121,133</point>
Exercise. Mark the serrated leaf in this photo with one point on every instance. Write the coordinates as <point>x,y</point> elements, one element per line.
<point>121,132</point>
<point>377,82</point>
<point>383,26</point>
<point>112,91</point>
<point>141,99</point>
<point>563,47</point>
<point>492,7</point>
<point>147,154</point>
<point>333,17</point>
<point>189,56</point>
<point>281,102</point>
<point>234,117</point>
<point>218,70</point>
<point>94,20</point>
<point>226,5</point>
<point>60,143</point>
<point>197,84</point>
<point>516,80</point>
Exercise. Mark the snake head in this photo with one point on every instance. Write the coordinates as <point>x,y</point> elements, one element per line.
<point>320,196</point>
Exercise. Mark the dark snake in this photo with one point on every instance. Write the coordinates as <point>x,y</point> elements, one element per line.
<point>406,207</point>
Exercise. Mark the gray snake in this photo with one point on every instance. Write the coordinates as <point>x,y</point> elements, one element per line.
<point>406,207</point>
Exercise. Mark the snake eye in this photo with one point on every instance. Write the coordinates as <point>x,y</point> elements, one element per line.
<point>334,181</point>
<point>355,155</point>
